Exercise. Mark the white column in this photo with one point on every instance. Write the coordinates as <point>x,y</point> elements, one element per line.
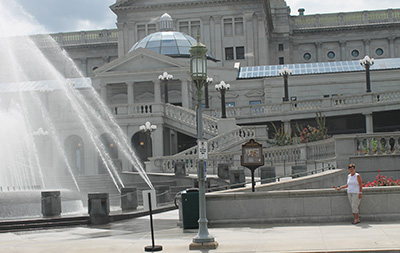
<point>286,126</point>
<point>318,49</point>
<point>369,123</point>
<point>157,140</point>
<point>249,49</point>
<point>157,91</point>
<point>342,50</point>
<point>366,47</point>
<point>185,93</point>
<point>392,52</point>
<point>131,93</point>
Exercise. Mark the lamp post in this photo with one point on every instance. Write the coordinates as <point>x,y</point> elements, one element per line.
<point>367,63</point>
<point>165,77</point>
<point>209,80</point>
<point>285,72</point>
<point>148,128</point>
<point>222,87</point>
<point>198,72</point>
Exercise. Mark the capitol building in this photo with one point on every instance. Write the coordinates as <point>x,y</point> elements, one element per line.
<point>141,71</point>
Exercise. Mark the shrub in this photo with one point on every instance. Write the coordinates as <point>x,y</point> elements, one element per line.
<point>381,180</point>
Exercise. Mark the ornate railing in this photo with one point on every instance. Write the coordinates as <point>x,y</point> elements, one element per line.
<point>368,99</point>
<point>78,38</point>
<point>188,117</point>
<point>378,144</point>
<point>346,19</point>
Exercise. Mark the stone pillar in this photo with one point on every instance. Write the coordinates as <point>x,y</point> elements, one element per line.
<point>366,46</point>
<point>84,64</point>
<point>392,52</point>
<point>342,50</point>
<point>98,208</point>
<point>51,203</point>
<point>369,123</point>
<point>185,93</point>
<point>129,199</point>
<point>249,49</point>
<point>131,93</point>
<point>158,141</point>
<point>219,50</point>
<point>318,49</point>
<point>103,93</point>
<point>286,126</point>
<point>157,91</point>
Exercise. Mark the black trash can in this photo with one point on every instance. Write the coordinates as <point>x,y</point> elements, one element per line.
<point>190,208</point>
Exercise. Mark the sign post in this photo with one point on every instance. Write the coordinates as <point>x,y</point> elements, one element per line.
<point>252,158</point>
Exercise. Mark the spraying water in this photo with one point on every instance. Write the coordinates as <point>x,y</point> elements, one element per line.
<point>33,93</point>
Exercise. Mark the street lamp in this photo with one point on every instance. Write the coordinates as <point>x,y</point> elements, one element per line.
<point>367,63</point>
<point>223,87</point>
<point>198,72</point>
<point>285,72</point>
<point>209,80</point>
<point>165,77</point>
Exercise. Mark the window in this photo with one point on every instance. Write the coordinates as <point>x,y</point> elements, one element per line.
<point>232,53</point>
<point>145,29</point>
<point>229,53</point>
<point>331,54</point>
<point>280,47</point>
<point>233,26</point>
<point>307,56</point>
<point>379,51</point>
<point>191,27</point>
<point>255,102</point>
<point>281,60</point>
<point>355,53</point>
<point>239,53</point>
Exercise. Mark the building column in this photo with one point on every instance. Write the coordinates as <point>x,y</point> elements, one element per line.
<point>392,52</point>
<point>185,93</point>
<point>131,94</point>
<point>157,91</point>
<point>249,32</point>
<point>369,123</point>
<point>84,64</point>
<point>342,50</point>
<point>218,39</point>
<point>157,141</point>
<point>286,126</point>
<point>318,49</point>
<point>366,47</point>
<point>103,93</point>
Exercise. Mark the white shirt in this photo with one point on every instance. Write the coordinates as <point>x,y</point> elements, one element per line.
<point>352,184</point>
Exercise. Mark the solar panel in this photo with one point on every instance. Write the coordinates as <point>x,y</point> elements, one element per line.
<point>316,68</point>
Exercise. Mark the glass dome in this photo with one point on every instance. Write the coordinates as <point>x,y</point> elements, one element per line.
<point>171,43</point>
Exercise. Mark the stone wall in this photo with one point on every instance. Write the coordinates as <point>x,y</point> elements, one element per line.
<point>301,206</point>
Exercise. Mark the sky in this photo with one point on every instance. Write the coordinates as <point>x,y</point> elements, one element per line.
<point>77,15</point>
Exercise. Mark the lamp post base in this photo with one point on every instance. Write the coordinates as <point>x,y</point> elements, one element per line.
<point>153,248</point>
<point>203,245</point>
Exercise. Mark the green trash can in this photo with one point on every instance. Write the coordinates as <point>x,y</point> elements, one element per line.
<point>190,208</point>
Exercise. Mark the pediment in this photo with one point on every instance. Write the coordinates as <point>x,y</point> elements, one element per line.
<point>141,60</point>
<point>254,93</point>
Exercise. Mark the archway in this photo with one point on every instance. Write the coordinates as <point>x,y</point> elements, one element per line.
<point>112,150</point>
<point>142,144</point>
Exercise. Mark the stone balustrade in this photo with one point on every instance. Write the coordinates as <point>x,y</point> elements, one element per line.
<point>378,144</point>
<point>76,38</point>
<point>324,104</point>
<point>345,19</point>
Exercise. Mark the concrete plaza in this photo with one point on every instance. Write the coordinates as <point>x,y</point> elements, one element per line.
<point>134,234</point>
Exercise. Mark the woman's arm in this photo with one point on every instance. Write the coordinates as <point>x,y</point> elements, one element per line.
<point>341,187</point>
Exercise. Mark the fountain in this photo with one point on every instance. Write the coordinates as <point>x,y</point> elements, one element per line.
<point>49,121</point>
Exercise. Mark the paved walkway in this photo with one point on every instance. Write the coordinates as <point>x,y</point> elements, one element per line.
<point>133,235</point>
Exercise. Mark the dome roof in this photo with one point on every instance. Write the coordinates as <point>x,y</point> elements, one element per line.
<point>171,43</point>
<point>167,41</point>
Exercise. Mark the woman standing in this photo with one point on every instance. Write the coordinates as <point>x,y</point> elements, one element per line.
<point>354,191</point>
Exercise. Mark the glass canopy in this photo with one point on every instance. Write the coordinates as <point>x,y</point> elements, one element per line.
<point>316,68</point>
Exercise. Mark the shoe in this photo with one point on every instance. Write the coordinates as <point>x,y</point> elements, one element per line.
<point>355,222</point>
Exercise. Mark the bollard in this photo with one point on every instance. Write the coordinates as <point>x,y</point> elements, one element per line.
<point>266,174</point>
<point>51,203</point>
<point>129,199</point>
<point>223,170</point>
<point>98,208</point>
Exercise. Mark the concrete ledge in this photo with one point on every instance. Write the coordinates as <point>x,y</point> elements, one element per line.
<point>301,206</point>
